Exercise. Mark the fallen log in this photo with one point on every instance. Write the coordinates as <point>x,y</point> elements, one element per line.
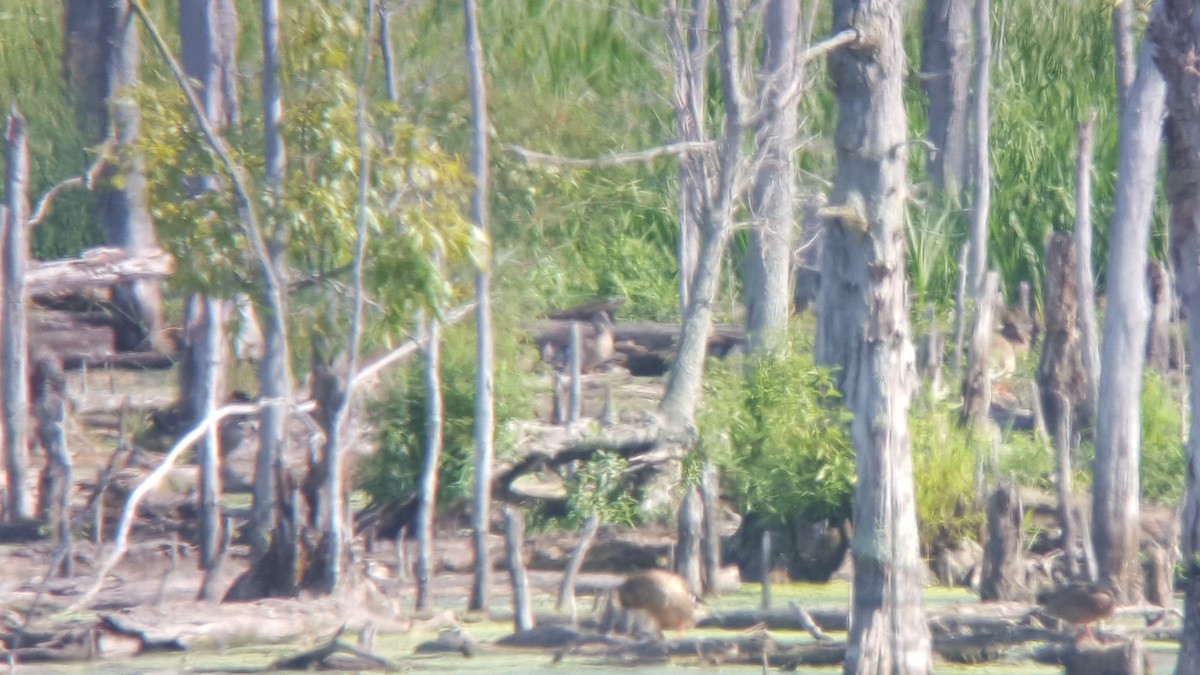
<point>327,657</point>
<point>97,267</point>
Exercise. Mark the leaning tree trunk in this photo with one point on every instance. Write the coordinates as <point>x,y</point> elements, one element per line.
<point>946,79</point>
<point>14,383</point>
<point>1116,487</point>
<point>485,349</point>
<point>101,61</point>
<point>1175,27</point>
<point>864,332</point>
<point>768,260</point>
<point>48,388</point>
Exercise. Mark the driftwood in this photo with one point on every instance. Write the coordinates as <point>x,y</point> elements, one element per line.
<point>97,267</point>
<point>326,657</point>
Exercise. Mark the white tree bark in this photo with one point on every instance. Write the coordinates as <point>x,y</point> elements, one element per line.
<point>427,508</point>
<point>484,353</point>
<point>1123,39</point>
<point>982,171</point>
<point>768,260</point>
<point>1116,485</point>
<point>14,362</point>
<point>690,60</point>
<point>1089,333</point>
<point>1175,27</point>
<point>863,331</point>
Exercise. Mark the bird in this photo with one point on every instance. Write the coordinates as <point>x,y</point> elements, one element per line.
<point>1081,602</point>
<point>664,596</point>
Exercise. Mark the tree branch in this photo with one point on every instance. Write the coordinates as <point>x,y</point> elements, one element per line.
<point>615,159</point>
<point>86,180</point>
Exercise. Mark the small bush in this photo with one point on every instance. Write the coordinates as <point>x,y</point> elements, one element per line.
<point>1164,467</point>
<point>394,471</point>
<point>944,475</point>
<point>779,436</point>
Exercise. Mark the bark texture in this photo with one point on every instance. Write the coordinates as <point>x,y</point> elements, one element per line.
<point>1089,333</point>
<point>14,383</point>
<point>1060,375</point>
<point>1003,568</point>
<point>690,59</point>
<point>1116,485</point>
<point>863,330</point>
<point>427,505</point>
<point>946,79</point>
<point>981,202</point>
<point>1175,27</point>
<point>768,260</point>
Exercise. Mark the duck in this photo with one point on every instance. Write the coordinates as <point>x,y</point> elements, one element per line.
<point>1081,602</point>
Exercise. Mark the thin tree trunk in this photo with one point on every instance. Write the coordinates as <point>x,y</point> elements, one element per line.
<point>945,77</point>
<point>687,542</point>
<point>1175,27</point>
<point>1123,39</point>
<point>211,343</point>
<point>1116,485</point>
<point>864,332</point>
<point>484,354</point>
<point>772,213</point>
<point>1162,301</point>
<point>14,382</point>
<point>274,372</point>
<point>960,308</point>
<point>48,389</point>
<point>1089,333</point>
<point>977,383</point>
<point>982,171</point>
<point>1064,471</point>
<point>710,541</point>
<point>765,571</point>
<point>574,369</point>
<point>514,538</point>
<point>690,65</point>
<point>566,591</point>
<point>427,508</point>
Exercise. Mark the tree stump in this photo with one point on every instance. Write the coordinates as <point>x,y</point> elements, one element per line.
<point>1003,571</point>
<point>1088,658</point>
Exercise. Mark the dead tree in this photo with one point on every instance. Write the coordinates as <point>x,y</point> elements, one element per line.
<point>946,80</point>
<point>1003,575</point>
<point>1116,486</point>
<point>864,332</point>
<point>14,384</point>
<point>514,537</point>
<point>1162,300</point>
<point>484,354</point>
<point>977,385</point>
<point>1089,333</point>
<point>48,388</point>
<point>1060,376</point>
<point>566,591</point>
<point>1175,29</point>
<point>434,433</point>
<point>981,174</point>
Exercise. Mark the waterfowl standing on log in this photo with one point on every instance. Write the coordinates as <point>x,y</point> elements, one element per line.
<point>1081,602</point>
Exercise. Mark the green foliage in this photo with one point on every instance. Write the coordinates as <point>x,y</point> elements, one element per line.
<point>779,436</point>
<point>1029,460</point>
<point>393,472</point>
<point>596,487</point>
<point>943,474</point>
<point>1164,466</point>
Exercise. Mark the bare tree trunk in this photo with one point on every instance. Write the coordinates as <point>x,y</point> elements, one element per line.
<point>690,63</point>
<point>1175,27</point>
<point>710,541</point>
<point>1064,472</point>
<point>427,508</point>
<point>1089,333</point>
<point>1123,38</point>
<point>484,355</point>
<point>864,332</point>
<point>982,172</point>
<point>977,383</point>
<point>772,213</point>
<point>1162,301</point>
<point>765,571</point>
<point>274,372</point>
<point>1003,575</point>
<point>209,341</point>
<point>101,63</point>
<point>1060,375</point>
<point>945,77</point>
<point>960,307</point>
<point>514,538</point>
<point>566,591</point>
<point>678,406</point>
<point>574,369</point>
<point>1116,485</point>
<point>48,387</point>
<point>687,542</point>
<point>14,382</point>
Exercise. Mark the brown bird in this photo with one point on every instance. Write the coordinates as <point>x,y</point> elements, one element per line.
<point>1081,602</point>
<point>662,595</point>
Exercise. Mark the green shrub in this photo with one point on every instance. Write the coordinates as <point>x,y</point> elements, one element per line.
<point>944,475</point>
<point>394,471</point>
<point>1164,467</point>
<point>779,436</point>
